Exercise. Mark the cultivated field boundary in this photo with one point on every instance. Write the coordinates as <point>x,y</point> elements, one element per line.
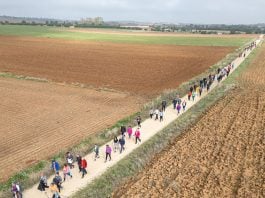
<point>31,175</point>
<point>74,184</point>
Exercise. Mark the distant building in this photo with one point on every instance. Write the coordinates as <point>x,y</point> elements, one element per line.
<point>92,21</point>
<point>137,27</point>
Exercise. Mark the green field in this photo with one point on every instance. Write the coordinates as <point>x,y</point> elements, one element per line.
<point>63,33</point>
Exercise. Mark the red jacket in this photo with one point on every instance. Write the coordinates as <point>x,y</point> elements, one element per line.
<point>83,163</point>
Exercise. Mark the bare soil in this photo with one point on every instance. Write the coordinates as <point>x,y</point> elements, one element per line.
<point>40,119</point>
<point>221,156</point>
<point>138,69</point>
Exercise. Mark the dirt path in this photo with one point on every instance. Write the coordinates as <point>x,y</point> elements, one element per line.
<point>96,168</point>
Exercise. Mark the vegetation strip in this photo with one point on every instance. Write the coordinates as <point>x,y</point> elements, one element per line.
<point>64,33</point>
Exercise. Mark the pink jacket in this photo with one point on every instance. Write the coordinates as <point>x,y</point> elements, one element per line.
<point>108,150</point>
<point>66,169</point>
<point>129,130</point>
<point>137,133</point>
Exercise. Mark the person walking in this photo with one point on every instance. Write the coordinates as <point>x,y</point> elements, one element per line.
<point>14,190</point>
<point>151,113</point>
<point>122,143</point>
<point>116,143</point>
<point>55,191</point>
<point>178,108</point>
<point>43,183</point>
<point>174,102</point>
<point>164,104</point>
<point>84,166</point>
<point>138,120</point>
<point>137,135</point>
<point>79,161</point>
<point>156,114</point>
<point>184,104</point>
<point>191,89</point>
<point>129,131</point>
<point>189,95</point>
<point>208,86</point>
<point>96,151</point>
<point>200,91</point>
<point>178,100</point>
<point>55,166</point>
<point>70,160</point>
<point>108,153</point>
<point>58,181</point>
<point>161,115</point>
<point>193,95</point>
<point>66,171</point>
<point>123,130</point>
<point>19,191</point>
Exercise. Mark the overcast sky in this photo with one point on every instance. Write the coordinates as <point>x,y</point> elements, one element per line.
<point>176,11</point>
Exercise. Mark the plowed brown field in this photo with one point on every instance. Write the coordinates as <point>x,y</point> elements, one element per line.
<point>140,69</point>
<point>39,119</point>
<point>223,155</point>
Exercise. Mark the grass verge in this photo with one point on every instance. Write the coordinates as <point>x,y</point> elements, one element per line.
<point>133,164</point>
<point>64,33</point>
<point>30,176</point>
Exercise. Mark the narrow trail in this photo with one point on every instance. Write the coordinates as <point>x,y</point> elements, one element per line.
<point>96,168</point>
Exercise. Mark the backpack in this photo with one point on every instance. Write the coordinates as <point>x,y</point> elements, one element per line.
<point>84,163</point>
<point>57,179</point>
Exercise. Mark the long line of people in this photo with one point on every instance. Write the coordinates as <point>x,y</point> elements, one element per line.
<point>119,144</point>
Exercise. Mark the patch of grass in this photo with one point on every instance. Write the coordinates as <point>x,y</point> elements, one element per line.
<point>21,77</point>
<point>64,33</point>
<point>23,175</point>
<point>104,185</point>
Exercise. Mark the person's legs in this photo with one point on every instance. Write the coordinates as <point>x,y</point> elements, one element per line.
<point>59,187</point>
<point>84,172</point>
<point>70,174</point>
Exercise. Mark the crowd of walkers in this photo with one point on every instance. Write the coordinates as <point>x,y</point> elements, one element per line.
<point>57,182</point>
<point>179,105</point>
